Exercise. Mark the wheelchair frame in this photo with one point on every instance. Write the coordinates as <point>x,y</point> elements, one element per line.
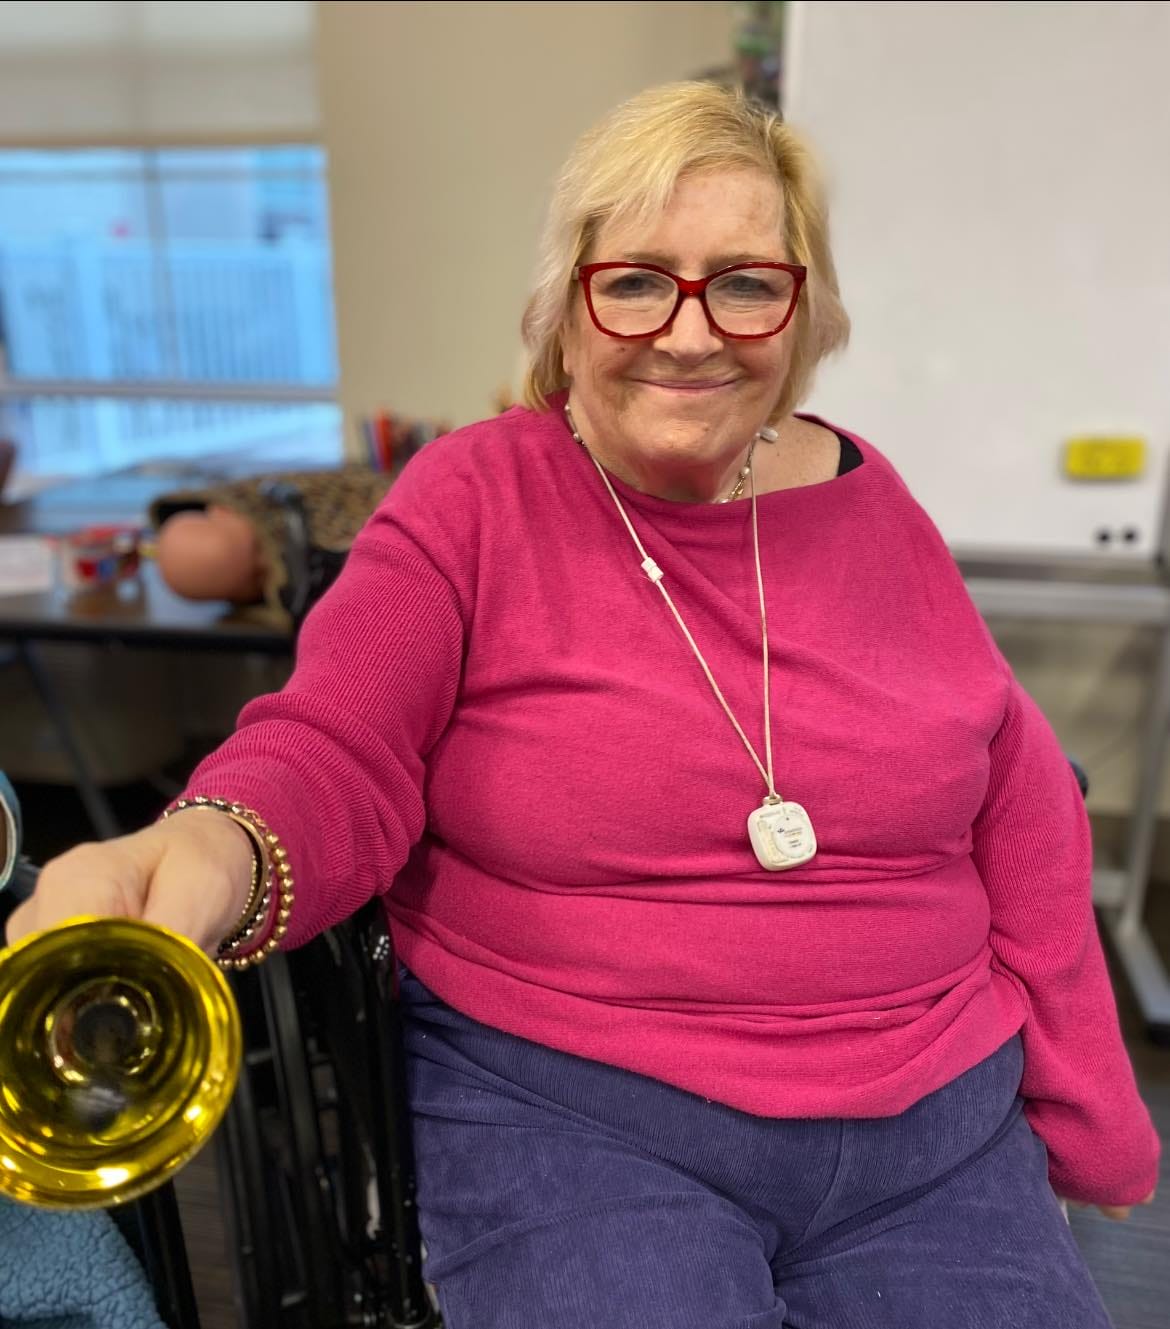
<point>316,1149</point>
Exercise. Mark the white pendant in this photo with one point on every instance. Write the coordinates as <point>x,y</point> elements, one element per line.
<point>782,835</point>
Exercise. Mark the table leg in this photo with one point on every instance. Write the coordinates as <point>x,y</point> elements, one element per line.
<point>1135,948</point>
<point>97,806</point>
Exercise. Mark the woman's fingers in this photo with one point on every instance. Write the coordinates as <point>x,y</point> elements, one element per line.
<point>1119,1212</point>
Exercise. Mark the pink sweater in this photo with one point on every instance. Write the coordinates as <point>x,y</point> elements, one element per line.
<point>494,713</point>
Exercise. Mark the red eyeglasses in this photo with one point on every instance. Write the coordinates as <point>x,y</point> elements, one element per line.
<point>746,301</point>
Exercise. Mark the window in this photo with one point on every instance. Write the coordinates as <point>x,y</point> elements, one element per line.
<point>193,285</point>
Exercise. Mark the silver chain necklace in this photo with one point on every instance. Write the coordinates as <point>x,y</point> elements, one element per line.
<point>780,832</point>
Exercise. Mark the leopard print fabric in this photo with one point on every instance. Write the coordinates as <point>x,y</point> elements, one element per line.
<point>336,505</point>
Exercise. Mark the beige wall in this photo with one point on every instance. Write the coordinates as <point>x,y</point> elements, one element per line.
<point>445,124</point>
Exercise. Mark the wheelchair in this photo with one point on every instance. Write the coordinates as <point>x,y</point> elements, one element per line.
<point>315,1154</point>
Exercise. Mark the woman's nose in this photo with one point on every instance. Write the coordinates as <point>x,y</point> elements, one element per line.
<point>691,334</point>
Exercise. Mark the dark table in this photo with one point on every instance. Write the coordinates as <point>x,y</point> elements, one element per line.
<point>141,613</point>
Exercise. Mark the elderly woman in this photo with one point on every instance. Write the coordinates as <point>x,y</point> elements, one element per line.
<point>742,895</point>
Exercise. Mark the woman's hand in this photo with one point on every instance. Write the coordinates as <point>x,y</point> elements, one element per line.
<point>191,873</point>
<point>1114,1211</point>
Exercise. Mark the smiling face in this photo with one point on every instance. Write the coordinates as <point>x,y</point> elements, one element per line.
<point>673,415</point>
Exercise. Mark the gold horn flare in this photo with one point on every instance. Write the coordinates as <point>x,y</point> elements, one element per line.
<point>120,1046</point>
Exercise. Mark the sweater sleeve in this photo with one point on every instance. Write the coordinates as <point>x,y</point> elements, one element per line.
<point>335,762</point>
<point>1032,849</point>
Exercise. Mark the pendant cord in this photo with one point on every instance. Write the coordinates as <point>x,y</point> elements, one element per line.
<point>655,574</point>
<point>773,796</point>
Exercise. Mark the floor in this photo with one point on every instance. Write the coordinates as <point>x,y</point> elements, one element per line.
<point>1130,1261</point>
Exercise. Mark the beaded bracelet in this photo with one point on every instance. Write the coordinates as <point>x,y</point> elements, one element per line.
<point>264,920</point>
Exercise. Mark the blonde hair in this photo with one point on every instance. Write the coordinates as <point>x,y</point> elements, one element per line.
<point>627,167</point>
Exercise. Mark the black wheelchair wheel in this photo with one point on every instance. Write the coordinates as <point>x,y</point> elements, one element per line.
<point>272,1161</point>
<point>315,1151</point>
<point>244,1167</point>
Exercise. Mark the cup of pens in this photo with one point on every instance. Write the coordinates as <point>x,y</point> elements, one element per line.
<point>98,557</point>
<point>389,441</point>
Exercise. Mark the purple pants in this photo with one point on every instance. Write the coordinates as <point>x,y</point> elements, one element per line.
<point>559,1193</point>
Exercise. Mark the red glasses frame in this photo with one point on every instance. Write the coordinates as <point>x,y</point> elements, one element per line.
<point>687,288</point>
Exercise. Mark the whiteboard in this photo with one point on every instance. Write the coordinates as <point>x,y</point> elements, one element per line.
<point>999,180</point>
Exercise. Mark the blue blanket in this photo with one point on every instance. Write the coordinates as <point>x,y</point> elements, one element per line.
<point>69,1271</point>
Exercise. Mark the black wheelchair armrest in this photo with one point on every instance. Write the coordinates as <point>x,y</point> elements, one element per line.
<point>16,890</point>
<point>23,881</point>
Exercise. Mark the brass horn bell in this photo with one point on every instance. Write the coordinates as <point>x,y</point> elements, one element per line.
<point>120,1046</point>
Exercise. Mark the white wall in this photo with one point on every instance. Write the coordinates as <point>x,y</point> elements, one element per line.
<point>444,125</point>
<point>1016,134</point>
<point>1001,212</point>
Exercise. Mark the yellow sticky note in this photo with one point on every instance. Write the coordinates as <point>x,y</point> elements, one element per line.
<point>1104,457</point>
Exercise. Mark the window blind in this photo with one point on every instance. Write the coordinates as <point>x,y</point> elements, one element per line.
<point>138,72</point>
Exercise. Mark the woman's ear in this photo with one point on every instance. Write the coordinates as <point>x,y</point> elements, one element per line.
<point>567,347</point>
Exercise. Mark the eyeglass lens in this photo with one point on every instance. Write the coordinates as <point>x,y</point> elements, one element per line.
<point>749,301</point>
